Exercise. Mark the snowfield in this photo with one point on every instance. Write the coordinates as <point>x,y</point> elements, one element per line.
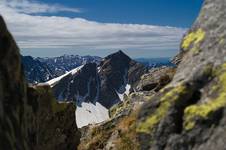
<point>89,113</point>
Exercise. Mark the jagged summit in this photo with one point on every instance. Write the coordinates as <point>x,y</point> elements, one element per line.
<point>96,88</point>
<point>118,55</point>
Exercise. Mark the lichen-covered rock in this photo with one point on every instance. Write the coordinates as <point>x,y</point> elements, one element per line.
<point>30,118</point>
<point>190,112</point>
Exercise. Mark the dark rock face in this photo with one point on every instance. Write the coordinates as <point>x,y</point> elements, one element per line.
<point>36,71</point>
<point>82,85</point>
<point>30,118</point>
<point>190,112</point>
<point>116,71</point>
<point>100,83</point>
<point>13,123</point>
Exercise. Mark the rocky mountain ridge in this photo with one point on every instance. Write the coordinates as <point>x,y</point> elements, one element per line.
<point>96,88</point>
<point>38,70</point>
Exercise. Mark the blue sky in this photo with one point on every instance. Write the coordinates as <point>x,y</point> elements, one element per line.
<point>178,13</point>
<point>141,28</point>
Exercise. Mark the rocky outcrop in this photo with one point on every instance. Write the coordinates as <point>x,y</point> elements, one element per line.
<point>30,118</point>
<point>190,112</point>
<point>156,79</point>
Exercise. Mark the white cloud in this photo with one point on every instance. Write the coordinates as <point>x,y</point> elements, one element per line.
<point>32,7</point>
<point>32,31</point>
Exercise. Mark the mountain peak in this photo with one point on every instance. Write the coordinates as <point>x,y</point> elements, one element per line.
<point>118,55</point>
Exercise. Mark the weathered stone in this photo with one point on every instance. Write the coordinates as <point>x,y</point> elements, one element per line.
<point>189,112</point>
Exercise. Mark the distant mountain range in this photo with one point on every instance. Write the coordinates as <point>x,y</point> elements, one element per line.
<point>39,70</point>
<point>155,62</point>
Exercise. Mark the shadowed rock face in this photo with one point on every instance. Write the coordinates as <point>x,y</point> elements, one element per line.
<point>116,71</point>
<point>30,118</point>
<point>92,83</point>
<point>84,83</point>
<point>12,94</point>
<point>190,112</point>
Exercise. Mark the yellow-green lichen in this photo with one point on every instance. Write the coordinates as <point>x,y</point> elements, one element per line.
<point>193,38</point>
<point>221,41</point>
<point>205,109</point>
<point>165,102</point>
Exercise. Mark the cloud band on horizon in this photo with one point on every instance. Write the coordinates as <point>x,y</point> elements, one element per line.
<point>35,31</point>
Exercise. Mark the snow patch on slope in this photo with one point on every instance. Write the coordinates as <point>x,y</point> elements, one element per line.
<point>126,91</point>
<point>128,86</point>
<point>54,81</point>
<point>125,88</point>
<point>89,113</point>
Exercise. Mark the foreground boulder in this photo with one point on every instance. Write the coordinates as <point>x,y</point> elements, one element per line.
<point>190,113</point>
<point>30,118</point>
